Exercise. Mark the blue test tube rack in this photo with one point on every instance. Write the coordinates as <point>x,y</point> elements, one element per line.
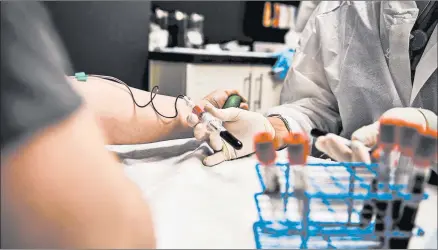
<point>346,185</point>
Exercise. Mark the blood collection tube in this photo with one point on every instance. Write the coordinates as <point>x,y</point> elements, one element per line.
<point>387,143</point>
<point>265,145</point>
<point>213,124</point>
<point>406,141</point>
<point>297,148</point>
<point>408,134</point>
<point>297,151</point>
<point>423,158</point>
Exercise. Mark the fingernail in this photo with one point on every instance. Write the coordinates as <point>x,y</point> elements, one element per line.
<point>204,162</point>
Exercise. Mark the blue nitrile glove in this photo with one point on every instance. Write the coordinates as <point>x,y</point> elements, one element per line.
<point>281,67</point>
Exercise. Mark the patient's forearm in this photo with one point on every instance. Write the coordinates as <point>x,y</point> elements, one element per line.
<point>125,123</point>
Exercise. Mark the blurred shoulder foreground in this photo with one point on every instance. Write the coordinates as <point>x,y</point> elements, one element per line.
<point>34,91</point>
<point>50,144</point>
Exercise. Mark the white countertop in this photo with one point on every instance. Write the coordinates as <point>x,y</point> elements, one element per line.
<point>216,53</point>
<point>199,207</point>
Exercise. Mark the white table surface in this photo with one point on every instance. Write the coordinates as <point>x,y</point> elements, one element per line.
<point>195,206</point>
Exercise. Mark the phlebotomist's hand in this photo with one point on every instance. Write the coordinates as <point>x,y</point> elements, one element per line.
<point>368,135</point>
<point>218,98</point>
<point>241,123</point>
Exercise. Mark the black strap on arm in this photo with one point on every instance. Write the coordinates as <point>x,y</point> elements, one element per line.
<point>421,32</point>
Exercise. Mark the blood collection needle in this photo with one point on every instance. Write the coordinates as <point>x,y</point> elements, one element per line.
<point>213,124</point>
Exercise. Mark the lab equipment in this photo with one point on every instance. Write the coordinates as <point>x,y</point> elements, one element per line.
<point>343,190</point>
<point>264,146</point>
<point>265,152</point>
<point>386,144</point>
<point>368,209</point>
<point>233,101</point>
<point>423,158</point>
<point>213,124</point>
<point>277,202</point>
<point>178,29</point>
<point>158,33</point>
<point>195,31</point>
<point>405,142</point>
<point>335,195</point>
<point>297,151</point>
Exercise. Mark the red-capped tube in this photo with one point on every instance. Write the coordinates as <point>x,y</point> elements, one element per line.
<point>297,148</point>
<point>197,111</point>
<point>388,136</point>
<point>264,146</point>
<point>425,151</point>
<point>407,137</point>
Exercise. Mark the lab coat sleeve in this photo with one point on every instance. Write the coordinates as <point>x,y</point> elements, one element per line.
<point>306,96</point>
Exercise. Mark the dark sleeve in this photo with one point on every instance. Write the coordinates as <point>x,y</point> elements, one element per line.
<point>34,90</point>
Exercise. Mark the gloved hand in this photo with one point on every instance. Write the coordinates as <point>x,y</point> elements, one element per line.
<point>218,98</point>
<point>241,123</point>
<point>368,135</point>
<point>283,63</point>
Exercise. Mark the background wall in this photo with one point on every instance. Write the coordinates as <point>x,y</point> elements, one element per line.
<point>109,38</point>
<point>252,23</point>
<point>223,19</point>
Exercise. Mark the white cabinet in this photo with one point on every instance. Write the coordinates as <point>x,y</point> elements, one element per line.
<point>202,79</point>
<point>198,80</point>
<point>265,90</point>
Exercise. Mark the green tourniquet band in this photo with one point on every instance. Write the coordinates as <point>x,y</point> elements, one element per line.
<point>81,76</point>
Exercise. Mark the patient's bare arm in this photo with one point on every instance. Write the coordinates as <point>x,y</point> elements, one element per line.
<point>125,123</point>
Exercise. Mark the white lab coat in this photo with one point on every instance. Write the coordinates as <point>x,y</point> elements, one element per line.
<point>305,10</point>
<point>353,65</point>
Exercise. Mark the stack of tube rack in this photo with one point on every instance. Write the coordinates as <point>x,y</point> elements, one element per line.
<point>343,205</point>
<point>332,208</point>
